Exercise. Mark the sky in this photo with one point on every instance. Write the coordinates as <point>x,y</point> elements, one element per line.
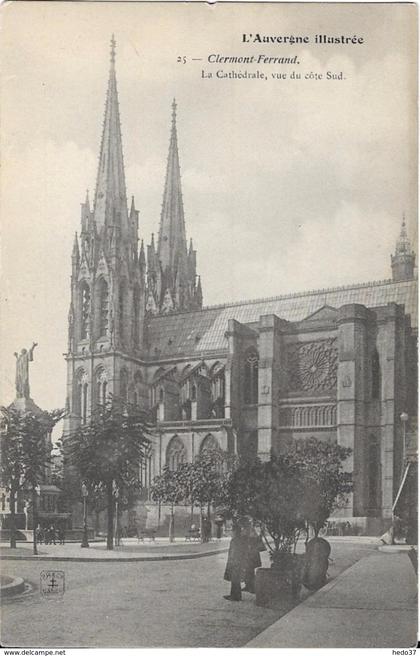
<point>288,184</point>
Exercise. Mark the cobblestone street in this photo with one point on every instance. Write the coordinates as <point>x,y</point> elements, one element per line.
<point>144,604</point>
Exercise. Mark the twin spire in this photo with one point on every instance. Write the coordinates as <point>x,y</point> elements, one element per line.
<point>110,204</point>
<point>172,242</point>
<point>172,268</point>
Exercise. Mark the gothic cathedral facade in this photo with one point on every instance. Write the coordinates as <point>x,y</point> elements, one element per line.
<point>337,364</point>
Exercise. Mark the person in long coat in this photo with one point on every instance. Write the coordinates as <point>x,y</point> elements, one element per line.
<point>236,563</point>
<point>253,558</point>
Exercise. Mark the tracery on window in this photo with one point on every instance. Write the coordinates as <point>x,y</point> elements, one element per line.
<point>175,453</point>
<point>101,386</point>
<point>85,310</point>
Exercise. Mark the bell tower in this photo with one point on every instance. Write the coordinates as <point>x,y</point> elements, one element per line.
<point>404,259</point>
<point>105,324</point>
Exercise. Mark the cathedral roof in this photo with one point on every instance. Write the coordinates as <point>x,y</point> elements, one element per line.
<point>204,330</point>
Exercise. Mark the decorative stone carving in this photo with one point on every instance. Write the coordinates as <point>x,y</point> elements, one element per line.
<point>308,416</point>
<point>312,367</point>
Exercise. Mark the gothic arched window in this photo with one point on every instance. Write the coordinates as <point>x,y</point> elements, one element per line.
<point>210,443</point>
<point>251,378</point>
<point>218,390</point>
<point>175,453</point>
<point>103,300</point>
<point>211,447</point>
<point>80,395</point>
<point>376,375</point>
<point>101,387</point>
<point>85,310</point>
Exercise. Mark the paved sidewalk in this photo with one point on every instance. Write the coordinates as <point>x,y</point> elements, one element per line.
<point>373,604</point>
<point>130,550</point>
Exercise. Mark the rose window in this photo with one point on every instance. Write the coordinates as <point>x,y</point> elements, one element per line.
<point>313,367</point>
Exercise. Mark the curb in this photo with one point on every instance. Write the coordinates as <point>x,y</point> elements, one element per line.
<point>135,559</point>
<point>17,585</point>
<point>395,548</point>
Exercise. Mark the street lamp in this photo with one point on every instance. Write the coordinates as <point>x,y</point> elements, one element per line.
<point>117,533</point>
<point>404,420</point>
<point>36,492</point>
<point>85,494</point>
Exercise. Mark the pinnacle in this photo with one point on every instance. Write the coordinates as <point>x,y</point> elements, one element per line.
<point>113,46</point>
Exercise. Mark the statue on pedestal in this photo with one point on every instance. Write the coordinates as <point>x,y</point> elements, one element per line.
<point>22,371</point>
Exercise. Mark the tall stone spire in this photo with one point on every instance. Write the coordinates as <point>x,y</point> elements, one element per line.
<point>172,243</point>
<point>404,259</point>
<point>173,266</point>
<point>110,206</point>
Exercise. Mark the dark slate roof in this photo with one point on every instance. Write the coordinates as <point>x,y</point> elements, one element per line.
<point>193,333</point>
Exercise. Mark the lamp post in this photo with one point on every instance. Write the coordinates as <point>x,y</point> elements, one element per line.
<point>85,494</point>
<point>404,420</point>
<point>117,530</point>
<point>36,493</point>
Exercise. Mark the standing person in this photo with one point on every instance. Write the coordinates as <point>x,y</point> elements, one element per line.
<point>62,533</point>
<point>219,521</point>
<point>253,558</point>
<point>52,534</point>
<point>39,534</point>
<point>236,563</point>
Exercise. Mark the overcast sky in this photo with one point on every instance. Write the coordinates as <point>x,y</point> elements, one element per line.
<point>288,185</point>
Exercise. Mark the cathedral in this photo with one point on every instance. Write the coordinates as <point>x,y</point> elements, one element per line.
<point>338,364</point>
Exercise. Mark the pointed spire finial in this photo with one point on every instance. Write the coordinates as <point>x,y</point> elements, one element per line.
<point>75,253</point>
<point>87,201</point>
<point>113,46</point>
<point>403,261</point>
<point>174,106</point>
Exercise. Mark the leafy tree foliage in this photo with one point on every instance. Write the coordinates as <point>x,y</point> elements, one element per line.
<point>289,492</point>
<point>325,484</point>
<point>170,488</point>
<point>108,450</point>
<point>25,455</point>
<point>270,493</point>
<point>200,483</point>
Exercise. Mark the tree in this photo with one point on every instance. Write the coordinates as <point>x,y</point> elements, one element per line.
<point>170,487</point>
<point>206,482</point>
<point>325,484</point>
<point>108,450</point>
<point>25,454</point>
